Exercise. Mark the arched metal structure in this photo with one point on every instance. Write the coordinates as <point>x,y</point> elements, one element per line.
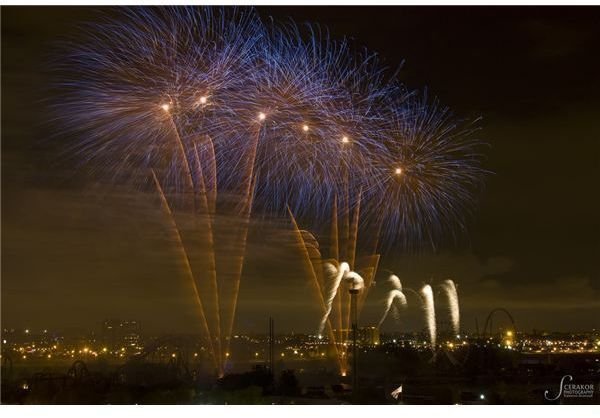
<point>488,320</point>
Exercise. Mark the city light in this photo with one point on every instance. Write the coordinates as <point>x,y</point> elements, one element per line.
<point>345,139</point>
<point>262,116</point>
<point>165,106</point>
<point>203,100</point>
<point>305,128</point>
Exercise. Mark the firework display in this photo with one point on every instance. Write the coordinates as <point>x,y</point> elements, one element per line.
<point>228,117</point>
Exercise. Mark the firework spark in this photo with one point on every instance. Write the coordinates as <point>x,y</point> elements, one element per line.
<point>395,300</point>
<point>429,311</point>
<point>238,118</point>
<point>423,185</point>
<point>334,277</point>
<point>449,289</point>
<point>299,117</point>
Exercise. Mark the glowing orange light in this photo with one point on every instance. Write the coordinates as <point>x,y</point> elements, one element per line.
<point>262,116</point>
<point>398,171</point>
<point>305,128</point>
<point>203,100</point>
<point>166,107</point>
<point>345,139</point>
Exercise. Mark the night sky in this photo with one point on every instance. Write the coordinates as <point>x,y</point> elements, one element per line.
<point>76,251</point>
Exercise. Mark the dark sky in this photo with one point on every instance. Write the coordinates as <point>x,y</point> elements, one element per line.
<point>75,251</point>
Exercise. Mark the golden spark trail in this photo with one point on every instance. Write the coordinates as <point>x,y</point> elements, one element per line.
<point>188,268</point>
<point>212,190</point>
<point>310,268</point>
<point>212,270</point>
<point>181,147</point>
<point>211,259</point>
<point>247,211</point>
<point>335,254</point>
<point>354,233</point>
<point>213,283</point>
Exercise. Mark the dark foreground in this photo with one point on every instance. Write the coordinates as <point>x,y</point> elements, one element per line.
<point>475,375</point>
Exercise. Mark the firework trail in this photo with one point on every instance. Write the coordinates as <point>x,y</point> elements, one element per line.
<point>394,296</point>
<point>449,289</point>
<point>185,259</point>
<point>292,114</point>
<point>336,276</point>
<point>318,104</point>
<point>354,280</point>
<point>328,276</point>
<point>395,282</point>
<point>312,264</point>
<point>133,79</point>
<point>154,87</point>
<point>429,311</point>
<point>423,184</point>
<point>238,118</point>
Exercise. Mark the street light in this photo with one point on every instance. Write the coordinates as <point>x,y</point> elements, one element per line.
<point>354,313</point>
<point>356,283</point>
